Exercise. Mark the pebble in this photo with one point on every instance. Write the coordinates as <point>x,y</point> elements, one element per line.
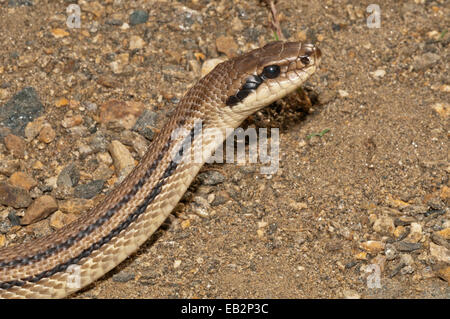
<point>40,208</point>
<point>146,123</point>
<point>138,17</point>
<point>211,178</point>
<point>124,114</point>
<point>70,121</point>
<point>444,273</point>
<point>440,253</point>
<point>47,134</point>
<point>119,64</point>
<point>16,145</point>
<point>343,93</point>
<point>33,128</point>
<point>227,45</point>
<point>373,246</point>
<point>123,161</point>
<point>425,61</point>
<point>89,190</point>
<point>23,180</point>
<point>135,140</point>
<point>444,233</point>
<point>8,167</point>
<point>123,276</point>
<point>58,219</point>
<point>404,246</point>
<point>102,172</point>
<point>378,74</point>
<point>2,240</point>
<point>13,218</point>
<point>443,109</point>
<point>69,176</point>
<point>19,3</point>
<point>59,33</point>
<point>390,252</point>
<point>415,234</point>
<point>384,225</point>
<point>176,263</point>
<point>136,42</point>
<point>14,196</point>
<point>351,294</point>
<point>75,205</point>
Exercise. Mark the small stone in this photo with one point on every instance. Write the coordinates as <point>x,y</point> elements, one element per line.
<point>176,263</point>
<point>445,233</point>
<point>69,176</point>
<point>23,180</point>
<point>443,109</point>
<point>13,218</point>
<point>16,145</point>
<point>47,134</point>
<point>415,234</point>
<point>425,61</point>
<point>343,93</point>
<point>146,123</point>
<point>39,209</point>
<point>59,33</point>
<point>138,17</point>
<point>378,74</point>
<point>119,64</point>
<point>373,246</point>
<point>2,240</point>
<point>384,225</point>
<point>8,167</point>
<point>444,273</point>
<point>440,253</point>
<point>390,252</point>
<point>136,42</point>
<point>185,224</point>
<point>75,205</point>
<point>33,128</point>
<point>72,121</point>
<point>103,172</point>
<point>351,294</point>
<point>227,45</point>
<point>58,219</point>
<point>361,256</point>
<point>210,64</point>
<point>137,141</point>
<point>92,7</point>
<point>14,196</point>
<point>108,82</point>
<point>62,102</point>
<point>404,246</point>
<point>399,231</point>
<point>21,109</point>
<point>123,161</point>
<point>124,114</point>
<point>89,190</point>
<point>123,276</point>
<point>211,178</point>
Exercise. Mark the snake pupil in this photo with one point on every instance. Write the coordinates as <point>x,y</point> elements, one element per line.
<point>305,60</point>
<point>271,71</point>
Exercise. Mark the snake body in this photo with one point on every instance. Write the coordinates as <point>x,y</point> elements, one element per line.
<point>57,265</point>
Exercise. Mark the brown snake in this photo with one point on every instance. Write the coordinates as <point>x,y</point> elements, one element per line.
<point>57,265</point>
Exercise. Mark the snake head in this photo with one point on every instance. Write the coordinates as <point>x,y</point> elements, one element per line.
<point>264,75</point>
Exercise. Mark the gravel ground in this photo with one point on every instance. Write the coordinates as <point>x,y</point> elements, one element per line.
<point>359,207</point>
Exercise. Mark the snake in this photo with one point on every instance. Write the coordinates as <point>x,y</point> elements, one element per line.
<point>72,257</point>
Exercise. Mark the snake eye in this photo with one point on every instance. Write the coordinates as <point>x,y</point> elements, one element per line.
<point>271,71</point>
<point>305,60</point>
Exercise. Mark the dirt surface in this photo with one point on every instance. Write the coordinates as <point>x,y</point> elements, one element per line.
<point>369,191</point>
